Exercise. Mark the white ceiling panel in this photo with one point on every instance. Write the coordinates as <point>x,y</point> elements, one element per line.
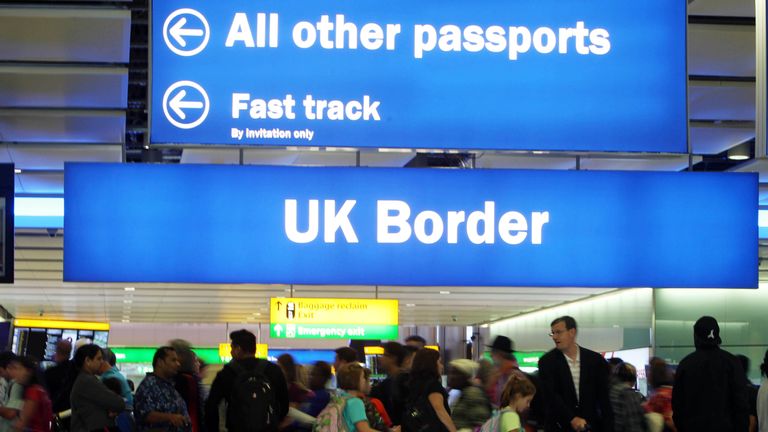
<point>65,34</point>
<point>492,160</point>
<point>721,101</point>
<point>40,183</point>
<point>721,50</point>
<point>53,156</point>
<point>63,87</point>
<point>726,8</point>
<point>55,126</point>
<point>672,163</point>
<point>717,139</point>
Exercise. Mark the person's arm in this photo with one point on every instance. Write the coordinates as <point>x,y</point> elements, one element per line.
<point>678,399</point>
<point>215,396</point>
<point>8,413</point>
<point>738,386</point>
<point>30,405</point>
<point>603,390</point>
<point>437,402</point>
<point>99,395</point>
<point>554,405</point>
<point>277,379</point>
<point>177,420</point>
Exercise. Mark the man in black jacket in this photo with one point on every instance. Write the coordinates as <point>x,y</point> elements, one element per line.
<point>244,359</point>
<point>574,381</point>
<point>710,385</point>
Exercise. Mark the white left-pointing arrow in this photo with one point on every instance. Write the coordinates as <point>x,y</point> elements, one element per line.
<point>177,104</point>
<point>178,32</point>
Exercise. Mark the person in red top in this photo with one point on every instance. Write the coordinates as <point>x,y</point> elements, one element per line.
<point>660,400</point>
<point>36,414</point>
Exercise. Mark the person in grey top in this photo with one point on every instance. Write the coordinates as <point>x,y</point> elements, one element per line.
<point>92,401</point>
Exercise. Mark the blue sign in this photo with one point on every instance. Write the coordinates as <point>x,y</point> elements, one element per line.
<point>367,226</point>
<point>522,75</point>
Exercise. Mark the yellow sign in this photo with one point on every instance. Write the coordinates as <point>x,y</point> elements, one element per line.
<point>333,311</point>
<point>432,347</point>
<point>225,351</point>
<point>373,350</point>
<point>66,325</point>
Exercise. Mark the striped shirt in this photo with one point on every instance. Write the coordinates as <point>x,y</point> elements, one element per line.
<point>575,366</point>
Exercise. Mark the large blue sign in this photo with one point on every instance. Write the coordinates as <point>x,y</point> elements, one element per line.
<point>235,224</point>
<point>594,75</point>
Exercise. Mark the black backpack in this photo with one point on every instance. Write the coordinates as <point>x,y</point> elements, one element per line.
<point>419,416</point>
<point>252,403</point>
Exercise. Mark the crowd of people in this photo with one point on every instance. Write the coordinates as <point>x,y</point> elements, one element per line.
<point>574,389</point>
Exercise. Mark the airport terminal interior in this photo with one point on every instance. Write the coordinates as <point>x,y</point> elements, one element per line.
<point>335,174</point>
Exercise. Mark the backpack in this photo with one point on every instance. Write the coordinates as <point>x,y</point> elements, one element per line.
<point>419,416</point>
<point>493,424</point>
<point>331,418</point>
<point>252,403</point>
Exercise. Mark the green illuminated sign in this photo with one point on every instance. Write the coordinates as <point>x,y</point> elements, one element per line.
<point>524,359</point>
<point>332,331</point>
<point>144,355</point>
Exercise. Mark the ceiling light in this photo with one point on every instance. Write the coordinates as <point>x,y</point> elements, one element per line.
<point>410,305</point>
<point>740,152</point>
<point>127,301</point>
<point>445,292</point>
<point>125,321</point>
<point>484,326</point>
<point>256,314</point>
<point>17,170</point>
<point>130,289</point>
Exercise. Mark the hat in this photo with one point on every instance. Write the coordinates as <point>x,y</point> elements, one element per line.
<point>466,366</point>
<point>707,331</point>
<point>503,344</point>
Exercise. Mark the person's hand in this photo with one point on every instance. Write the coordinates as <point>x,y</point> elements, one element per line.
<point>177,420</point>
<point>395,429</point>
<point>578,424</point>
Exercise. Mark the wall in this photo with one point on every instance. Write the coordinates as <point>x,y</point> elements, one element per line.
<point>742,315</point>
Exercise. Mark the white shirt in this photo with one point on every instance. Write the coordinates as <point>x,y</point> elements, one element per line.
<point>575,367</point>
<point>762,406</point>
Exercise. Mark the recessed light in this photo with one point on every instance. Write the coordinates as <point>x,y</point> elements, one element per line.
<point>410,305</point>
<point>17,171</point>
<point>484,326</point>
<point>257,314</point>
<point>445,292</point>
<point>125,321</point>
<point>127,301</point>
<point>130,288</point>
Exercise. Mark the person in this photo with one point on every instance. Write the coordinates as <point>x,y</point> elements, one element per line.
<point>123,420</point>
<point>36,414</point>
<point>244,362</point>
<point>390,390</point>
<point>92,401</point>
<point>377,415</point>
<point>660,401</point>
<point>416,341</point>
<point>751,393</point>
<point>297,393</point>
<point>188,383</point>
<point>344,355</point>
<point>515,399</point>
<point>60,377</point>
<point>410,351</point>
<point>762,397</point>
<point>109,370</point>
<point>626,402</point>
<point>319,377</point>
<point>574,381</point>
<point>505,363</point>
<point>11,394</point>
<point>157,404</point>
<point>427,406</point>
<point>472,408</point>
<point>710,392</point>
<point>350,380</point>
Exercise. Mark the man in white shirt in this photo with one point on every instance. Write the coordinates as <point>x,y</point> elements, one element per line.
<point>11,396</point>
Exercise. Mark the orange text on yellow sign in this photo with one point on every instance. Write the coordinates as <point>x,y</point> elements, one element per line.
<point>333,311</point>
<point>225,350</point>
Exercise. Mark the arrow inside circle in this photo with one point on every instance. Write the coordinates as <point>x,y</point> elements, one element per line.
<point>177,104</point>
<point>178,32</point>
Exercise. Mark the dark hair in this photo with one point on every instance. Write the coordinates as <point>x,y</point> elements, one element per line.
<point>627,373</point>
<point>320,375</point>
<point>396,351</point>
<point>64,347</point>
<point>410,350</point>
<point>131,385</point>
<point>416,338</point>
<point>243,339</point>
<point>88,351</point>
<point>161,354</point>
<point>114,385</point>
<point>516,386</point>
<point>615,361</point>
<point>659,374</point>
<point>425,364</point>
<point>109,356</point>
<point>6,357</point>
<point>764,366</point>
<point>288,365</point>
<point>346,354</point>
<point>30,364</point>
<point>348,376</point>
<point>570,323</point>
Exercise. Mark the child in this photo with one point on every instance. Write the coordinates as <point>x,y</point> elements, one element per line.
<point>36,414</point>
<point>515,399</point>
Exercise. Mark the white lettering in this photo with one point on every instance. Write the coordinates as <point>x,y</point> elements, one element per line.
<point>291,222</point>
<point>513,222</point>
<point>399,221</point>
<point>240,31</point>
<point>487,218</point>
<point>420,227</point>
<point>339,220</point>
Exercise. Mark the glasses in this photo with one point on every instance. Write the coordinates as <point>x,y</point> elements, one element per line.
<point>557,333</point>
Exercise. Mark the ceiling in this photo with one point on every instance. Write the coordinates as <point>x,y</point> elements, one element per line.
<point>68,84</point>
